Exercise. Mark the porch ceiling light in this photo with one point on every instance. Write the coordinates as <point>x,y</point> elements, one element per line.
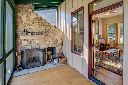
<point>36,3</point>
<point>54,2</point>
<point>56,5</point>
<point>44,6</point>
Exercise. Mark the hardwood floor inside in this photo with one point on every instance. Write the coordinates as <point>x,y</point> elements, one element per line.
<point>108,77</point>
<point>63,75</point>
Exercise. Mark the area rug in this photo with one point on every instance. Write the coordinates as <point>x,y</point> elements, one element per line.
<point>112,65</point>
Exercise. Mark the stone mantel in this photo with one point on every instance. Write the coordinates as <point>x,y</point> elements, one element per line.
<point>32,36</point>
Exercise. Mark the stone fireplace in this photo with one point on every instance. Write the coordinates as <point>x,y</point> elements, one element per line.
<point>30,48</point>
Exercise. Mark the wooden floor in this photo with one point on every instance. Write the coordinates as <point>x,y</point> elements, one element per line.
<point>108,77</point>
<point>63,75</point>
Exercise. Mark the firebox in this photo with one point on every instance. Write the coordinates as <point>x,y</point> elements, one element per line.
<point>33,57</point>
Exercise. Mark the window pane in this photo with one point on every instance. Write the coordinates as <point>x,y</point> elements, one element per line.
<point>75,42</point>
<point>9,66</point>
<point>1,65</point>
<point>0,32</point>
<point>111,36</point>
<point>121,38</point>
<point>9,29</point>
<point>111,25</point>
<point>80,20</point>
<point>121,24</point>
<point>75,22</point>
<point>111,30</point>
<point>121,29</point>
<point>80,42</point>
<point>97,29</point>
<point>49,15</point>
<point>96,37</point>
<point>121,32</point>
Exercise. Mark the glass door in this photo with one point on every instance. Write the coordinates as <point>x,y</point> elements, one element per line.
<point>95,45</point>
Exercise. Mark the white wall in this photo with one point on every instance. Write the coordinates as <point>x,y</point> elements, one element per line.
<point>78,62</point>
<point>63,21</point>
<point>125,58</point>
<point>101,26</point>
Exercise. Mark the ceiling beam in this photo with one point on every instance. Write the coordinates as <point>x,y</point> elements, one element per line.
<point>46,4</point>
<point>37,1</point>
<point>45,8</point>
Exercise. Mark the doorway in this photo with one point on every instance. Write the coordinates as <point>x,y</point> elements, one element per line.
<point>103,45</point>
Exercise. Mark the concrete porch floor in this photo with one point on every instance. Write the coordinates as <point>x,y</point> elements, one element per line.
<point>63,75</point>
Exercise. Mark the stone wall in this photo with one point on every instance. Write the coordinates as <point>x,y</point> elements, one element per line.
<point>30,21</point>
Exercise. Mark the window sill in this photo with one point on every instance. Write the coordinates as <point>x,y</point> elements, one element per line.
<point>78,54</point>
<point>120,44</point>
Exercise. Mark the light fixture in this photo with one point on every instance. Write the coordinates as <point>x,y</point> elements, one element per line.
<point>115,11</point>
<point>106,13</point>
<point>36,3</point>
<point>95,4</point>
<point>54,2</point>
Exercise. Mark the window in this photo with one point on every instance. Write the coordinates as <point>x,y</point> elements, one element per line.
<point>9,29</point>
<point>77,31</point>
<point>111,31</point>
<point>97,29</point>
<point>9,40</point>
<point>6,30</point>
<point>121,33</point>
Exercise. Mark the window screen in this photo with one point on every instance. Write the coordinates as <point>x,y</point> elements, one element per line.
<point>9,66</point>
<point>9,29</point>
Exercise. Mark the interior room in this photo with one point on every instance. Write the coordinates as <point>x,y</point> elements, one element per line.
<point>109,44</point>
<point>63,42</point>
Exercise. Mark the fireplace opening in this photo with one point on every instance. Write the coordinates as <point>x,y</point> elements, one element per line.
<point>37,57</point>
<point>33,57</point>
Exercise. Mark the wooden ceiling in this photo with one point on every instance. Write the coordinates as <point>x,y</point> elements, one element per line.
<point>41,4</point>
